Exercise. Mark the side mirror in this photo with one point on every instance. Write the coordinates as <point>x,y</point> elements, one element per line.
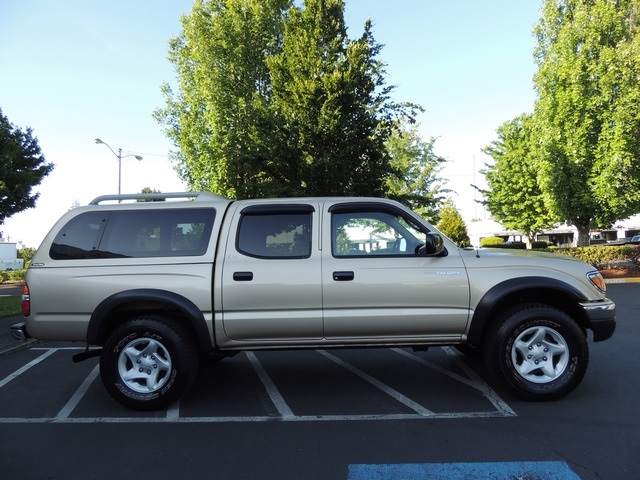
<point>434,246</point>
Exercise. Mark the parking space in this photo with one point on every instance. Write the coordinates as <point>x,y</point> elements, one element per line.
<point>43,385</point>
<point>343,414</point>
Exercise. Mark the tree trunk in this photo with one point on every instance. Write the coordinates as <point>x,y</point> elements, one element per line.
<point>531,237</point>
<point>583,227</point>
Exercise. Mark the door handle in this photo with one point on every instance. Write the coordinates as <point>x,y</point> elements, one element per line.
<point>243,276</point>
<point>343,276</point>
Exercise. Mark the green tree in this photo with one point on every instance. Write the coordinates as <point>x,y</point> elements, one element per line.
<point>149,190</point>
<point>26,254</point>
<point>221,119</point>
<point>415,180</point>
<point>22,166</point>
<point>452,224</point>
<point>514,197</point>
<point>332,102</point>
<point>275,100</point>
<point>588,56</point>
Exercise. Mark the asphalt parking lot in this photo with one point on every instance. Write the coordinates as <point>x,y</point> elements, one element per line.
<point>310,386</point>
<point>348,414</point>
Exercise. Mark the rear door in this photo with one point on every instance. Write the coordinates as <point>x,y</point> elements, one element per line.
<point>271,276</point>
<point>379,285</point>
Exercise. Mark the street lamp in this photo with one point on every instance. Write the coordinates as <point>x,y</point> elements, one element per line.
<point>120,157</point>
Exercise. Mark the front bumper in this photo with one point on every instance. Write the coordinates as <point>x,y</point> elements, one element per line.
<point>602,318</point>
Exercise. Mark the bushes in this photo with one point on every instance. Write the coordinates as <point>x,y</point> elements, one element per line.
<point>540,245</point>
<point>18,275</point>
<point>491,242</point>
<point>497,242</point>
<point>605,257</point>
<point>12,275</point>
<point>514,245</point>
<point>602,257</point>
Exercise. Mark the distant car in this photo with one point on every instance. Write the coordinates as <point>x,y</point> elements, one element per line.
<point>625,241</point>
<point>619,241</point>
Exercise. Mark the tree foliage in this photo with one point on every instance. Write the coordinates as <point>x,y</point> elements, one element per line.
<point>452,224</point>
<point>148,191</point>
<point>22,166</point>
<point>415,180</point>
<point>514,197</point>
<point>275,100</point>
<point>587,114</point>
<point>221,118</point>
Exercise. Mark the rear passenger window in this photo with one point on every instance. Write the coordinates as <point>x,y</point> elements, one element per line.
<point>80,237</point>
<point>136,234</point>
<point>277,234</point>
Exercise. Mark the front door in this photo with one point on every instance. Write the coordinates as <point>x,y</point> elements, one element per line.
<point>379,284</point>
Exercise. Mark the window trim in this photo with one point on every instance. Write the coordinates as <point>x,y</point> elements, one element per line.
<point>371,207</point>
<point>55,248</point>
<point>272,210</point>
<point>99,252</point>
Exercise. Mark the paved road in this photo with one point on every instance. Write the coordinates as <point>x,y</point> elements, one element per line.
<point>353,414</point>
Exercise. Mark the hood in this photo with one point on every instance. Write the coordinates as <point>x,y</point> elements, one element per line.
<point>488,267</point>
<point>531,262</point>
<point>512,254</point>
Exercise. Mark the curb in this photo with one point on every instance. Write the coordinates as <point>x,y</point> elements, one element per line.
<point>19,345</point>
<point>622,280</point>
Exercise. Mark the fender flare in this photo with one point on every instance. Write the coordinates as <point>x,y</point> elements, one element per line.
<point>98,328</point>
<point>482,313</point>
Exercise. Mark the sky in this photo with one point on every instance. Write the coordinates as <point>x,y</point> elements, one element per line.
<point>77,70</point>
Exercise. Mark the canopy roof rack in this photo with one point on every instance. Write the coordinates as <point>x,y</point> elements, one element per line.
<point>197,196</point>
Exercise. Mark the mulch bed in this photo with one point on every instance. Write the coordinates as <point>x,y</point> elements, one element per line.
<point>620,272</point>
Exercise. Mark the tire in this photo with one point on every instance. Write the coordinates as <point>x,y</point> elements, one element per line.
<point>538,352</point>
<point>148,363</point>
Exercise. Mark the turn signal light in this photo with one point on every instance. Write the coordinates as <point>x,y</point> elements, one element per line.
<point>597,280</point>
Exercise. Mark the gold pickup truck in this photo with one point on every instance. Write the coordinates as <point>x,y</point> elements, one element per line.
<point>159,280</point>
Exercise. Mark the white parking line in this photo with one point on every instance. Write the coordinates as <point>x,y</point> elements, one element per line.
<point>473,379</point>
<point>173,412</point>
<point>274,393</point>
<point>249,419</point>
<point>481,385</point>
<point>416,407</point>
<point>77,396</point>
<point>20,371</point>
<point>285,413</point>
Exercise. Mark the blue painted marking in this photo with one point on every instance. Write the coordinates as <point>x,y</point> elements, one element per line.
<point>464,471</point>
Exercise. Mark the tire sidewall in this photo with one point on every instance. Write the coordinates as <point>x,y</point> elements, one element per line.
<point>183,363</point>
<point>519,321</point>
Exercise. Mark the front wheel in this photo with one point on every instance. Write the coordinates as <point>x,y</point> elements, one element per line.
<point>148,363</point>
<point>538,351</point>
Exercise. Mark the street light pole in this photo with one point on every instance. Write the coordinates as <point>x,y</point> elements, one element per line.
<point>120,157</point>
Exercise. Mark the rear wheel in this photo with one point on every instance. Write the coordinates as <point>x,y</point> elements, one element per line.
<point>538,351</point>
<point>148,363</point>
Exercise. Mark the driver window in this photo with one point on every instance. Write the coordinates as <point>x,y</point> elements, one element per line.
<point>374,234</point>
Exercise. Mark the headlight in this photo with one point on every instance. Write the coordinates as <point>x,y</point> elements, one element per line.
<point>596,279</point>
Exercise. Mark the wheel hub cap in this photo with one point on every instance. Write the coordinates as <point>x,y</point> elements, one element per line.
<point>540,354</point>
<point>144,365</point>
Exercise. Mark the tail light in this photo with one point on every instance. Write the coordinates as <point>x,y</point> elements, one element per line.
<point>26,301</point>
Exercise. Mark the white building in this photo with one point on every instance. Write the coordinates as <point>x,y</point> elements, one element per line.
<point>561,235</point>
<point>9,256</point>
